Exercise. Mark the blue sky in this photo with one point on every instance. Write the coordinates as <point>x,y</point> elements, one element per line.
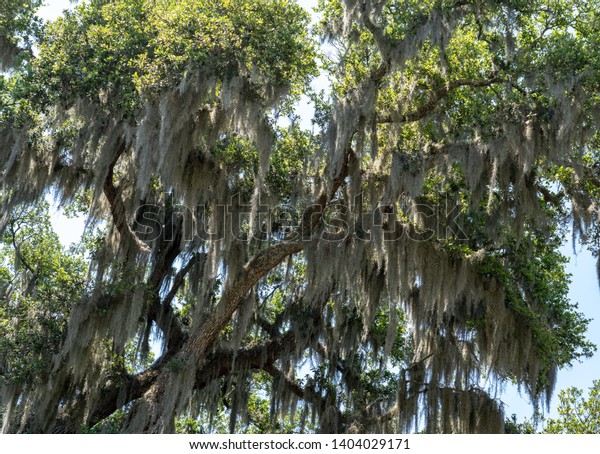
<point>53,8</point>
<point>584,289</point>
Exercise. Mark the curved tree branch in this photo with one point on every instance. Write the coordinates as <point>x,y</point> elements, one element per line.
<point>425,109</point>
<point>117,208</point>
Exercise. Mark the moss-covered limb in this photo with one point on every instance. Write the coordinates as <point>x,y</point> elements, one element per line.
<point>161,310</point>
<point>428,245</point>
<point>117,208</point>
<point>260,265</point>
<point>220,363</point>
<point>332,419</point>
<point>122,390</point>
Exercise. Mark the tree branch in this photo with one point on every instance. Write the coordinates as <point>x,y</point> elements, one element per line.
<point>179,279</point>
<point>258,267</point>
<point>424,110</point>
<point>320,402</point>
<point>117,208</point>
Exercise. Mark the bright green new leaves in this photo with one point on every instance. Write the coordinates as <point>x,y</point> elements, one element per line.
<point>90,53</point>
<point>117,52</point>
<point>16,106</point>
<point>266,42</point>
<point>577,414</point>
<point>19,27</point>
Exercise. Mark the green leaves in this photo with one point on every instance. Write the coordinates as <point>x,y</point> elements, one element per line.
<point>19,28</point>
<point>39,284</point>
<point>91,53</point>
<point>481,113</point>
<point>117,52</point>
<point>577,414</point>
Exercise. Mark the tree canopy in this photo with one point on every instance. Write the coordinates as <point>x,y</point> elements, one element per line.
<point>390,269</point>
<point>576,414</point>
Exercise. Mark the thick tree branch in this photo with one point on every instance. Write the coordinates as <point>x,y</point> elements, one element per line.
<point>160,310</point>
<point>117,208</point>
<point>179,279</point>
<point>425,109</point>
<point>195,349</point>
<point>258,267</point>
<point>116,392</point>
<point>221,363</point>
<point>22,261</point>
<point>322,403</point>
<point>122,390</point>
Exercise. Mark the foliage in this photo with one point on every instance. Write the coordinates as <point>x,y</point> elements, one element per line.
<point>576,413</point>
<point>39,283</point>
<point>119,52</point>
<point>512,426</point>
<point>19,27</point>
<point>388,270</point>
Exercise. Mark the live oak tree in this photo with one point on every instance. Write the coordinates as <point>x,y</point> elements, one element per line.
<point>396,265</point>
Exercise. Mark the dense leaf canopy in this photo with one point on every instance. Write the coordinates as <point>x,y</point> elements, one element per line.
<point>390,269</point>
